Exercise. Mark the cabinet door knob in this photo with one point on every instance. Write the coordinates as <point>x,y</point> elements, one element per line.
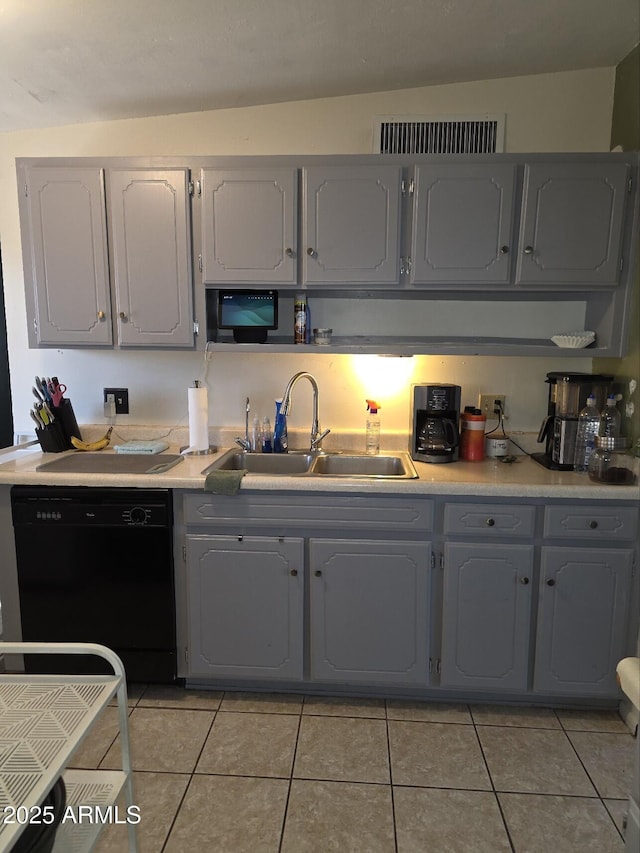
<point>122,315</point>
<point>294,573</point>
<point>593,524</point>
<point>311,252</point>
<point>504,250</point>
<point>290,253</point>
<point>491,522</point>
<point>551,582</point>
<point>101,315</point>
<point>318,573</point>
<point>524,581</point>
<point>528,250</point>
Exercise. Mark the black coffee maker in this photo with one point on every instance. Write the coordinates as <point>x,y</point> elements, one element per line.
<point>568,394</point>
<point>435,414</point>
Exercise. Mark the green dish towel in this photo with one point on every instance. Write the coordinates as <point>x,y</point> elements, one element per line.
<point>224,482</point>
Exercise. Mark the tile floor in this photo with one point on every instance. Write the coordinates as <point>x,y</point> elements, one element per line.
<point>266,773</point>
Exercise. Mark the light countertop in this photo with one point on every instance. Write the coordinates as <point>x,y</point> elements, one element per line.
<point>523,478</point>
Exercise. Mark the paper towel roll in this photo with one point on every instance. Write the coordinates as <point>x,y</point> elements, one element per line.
<point>198,419</point>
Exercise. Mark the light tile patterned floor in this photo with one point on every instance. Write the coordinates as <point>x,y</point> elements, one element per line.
<point>265,773</point>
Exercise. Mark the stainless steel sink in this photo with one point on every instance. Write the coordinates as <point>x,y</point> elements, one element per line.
<point>389,465</point>
<point>263,463</point>
<point>396,465</point>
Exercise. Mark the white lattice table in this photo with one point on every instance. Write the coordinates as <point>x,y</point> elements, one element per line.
<point>43,720</point>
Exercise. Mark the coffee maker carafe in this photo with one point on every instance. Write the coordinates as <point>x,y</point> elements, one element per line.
<point>435,414</point>
<point>568,394</point>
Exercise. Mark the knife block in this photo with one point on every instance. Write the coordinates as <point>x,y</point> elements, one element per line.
<point>56,437</point>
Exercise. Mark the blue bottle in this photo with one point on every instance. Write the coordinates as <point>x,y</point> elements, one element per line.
<point>280,440</point>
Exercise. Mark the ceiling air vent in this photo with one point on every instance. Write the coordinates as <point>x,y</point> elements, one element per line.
<point>439,134</point>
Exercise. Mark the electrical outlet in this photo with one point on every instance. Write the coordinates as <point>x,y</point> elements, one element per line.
<point>118,397</point>
<point>488,406</point>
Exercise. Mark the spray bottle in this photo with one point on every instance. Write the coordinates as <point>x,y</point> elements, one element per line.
<point>372,440</point>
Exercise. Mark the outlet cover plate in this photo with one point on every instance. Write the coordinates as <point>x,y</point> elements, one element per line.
<point>121,396</point>
<point>486,404</point>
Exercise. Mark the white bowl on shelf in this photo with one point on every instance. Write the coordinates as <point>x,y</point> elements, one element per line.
<point>574,340</point>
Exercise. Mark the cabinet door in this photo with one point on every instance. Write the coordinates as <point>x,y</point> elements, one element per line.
<point>150,228</point>
<point>65,249</point>
<point>462,224</point>
<point>582,619</point>
<point>245,606</point>
<point>486,616</point>
<point>249,221</point>
<point>572,223</point>
<point>369,606</point>
<point>351,224</point>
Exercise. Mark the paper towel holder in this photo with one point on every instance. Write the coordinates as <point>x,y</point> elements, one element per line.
<point>213,448</point>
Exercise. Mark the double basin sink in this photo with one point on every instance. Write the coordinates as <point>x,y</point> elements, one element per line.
<point>385,465</point>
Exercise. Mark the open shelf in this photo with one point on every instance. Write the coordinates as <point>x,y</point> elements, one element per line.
<point>406,346</point>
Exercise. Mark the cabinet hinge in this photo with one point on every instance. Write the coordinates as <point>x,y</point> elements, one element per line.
<point>433,560</point>
<point>26,189</point>
<point>196,327</point>
<point>184,553</point>
<point>190,188</point>
<point>35,325</point>
<point>407,187</point>
<point>200,262</point>
<point>186,655</point>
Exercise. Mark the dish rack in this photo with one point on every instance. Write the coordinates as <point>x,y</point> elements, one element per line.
<point>43,720</point>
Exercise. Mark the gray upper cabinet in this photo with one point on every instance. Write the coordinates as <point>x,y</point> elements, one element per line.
<point>369,606</point>
<point>64,241</point>
<point>150,234</point>
<point>582,619</point>
<point>572,223</point>
<point>249,226</point>
<point>72,292</point>
<point>462,224</point>
<point>486,616</point>
<point>245,600</point>
<point>351,225</point>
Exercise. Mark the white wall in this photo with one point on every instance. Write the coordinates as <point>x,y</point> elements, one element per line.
<point>550,112</point>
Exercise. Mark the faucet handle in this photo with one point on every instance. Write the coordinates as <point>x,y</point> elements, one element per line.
<point>315,442</point>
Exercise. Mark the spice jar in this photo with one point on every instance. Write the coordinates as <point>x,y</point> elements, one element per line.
<point>612,462</point>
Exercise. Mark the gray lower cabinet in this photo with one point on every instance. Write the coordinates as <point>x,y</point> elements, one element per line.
<point>584,598</point>
<point>463,224</point>
<point>245,606</point>
<point>249,226</point>
<point>64,245</point>
<point>572,223</point>
<point>368,611</point>
<point>351,224</point>
<point>486,615</point>
<point>67,229</point>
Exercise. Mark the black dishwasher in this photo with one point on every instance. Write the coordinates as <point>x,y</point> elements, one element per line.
<point>95,565</point>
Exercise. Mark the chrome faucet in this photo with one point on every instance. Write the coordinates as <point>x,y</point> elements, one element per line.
<point>285,408</point>
<point>245,443</point>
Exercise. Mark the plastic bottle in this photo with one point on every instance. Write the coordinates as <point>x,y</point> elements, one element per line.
<point>256,436</point>
<point>472,426</point>
<point>372,439</point>
<point>280,438</point>
<point>588,426</point>
<point>610,419</point>
<point>265,438</point>
<point>300,319</point>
